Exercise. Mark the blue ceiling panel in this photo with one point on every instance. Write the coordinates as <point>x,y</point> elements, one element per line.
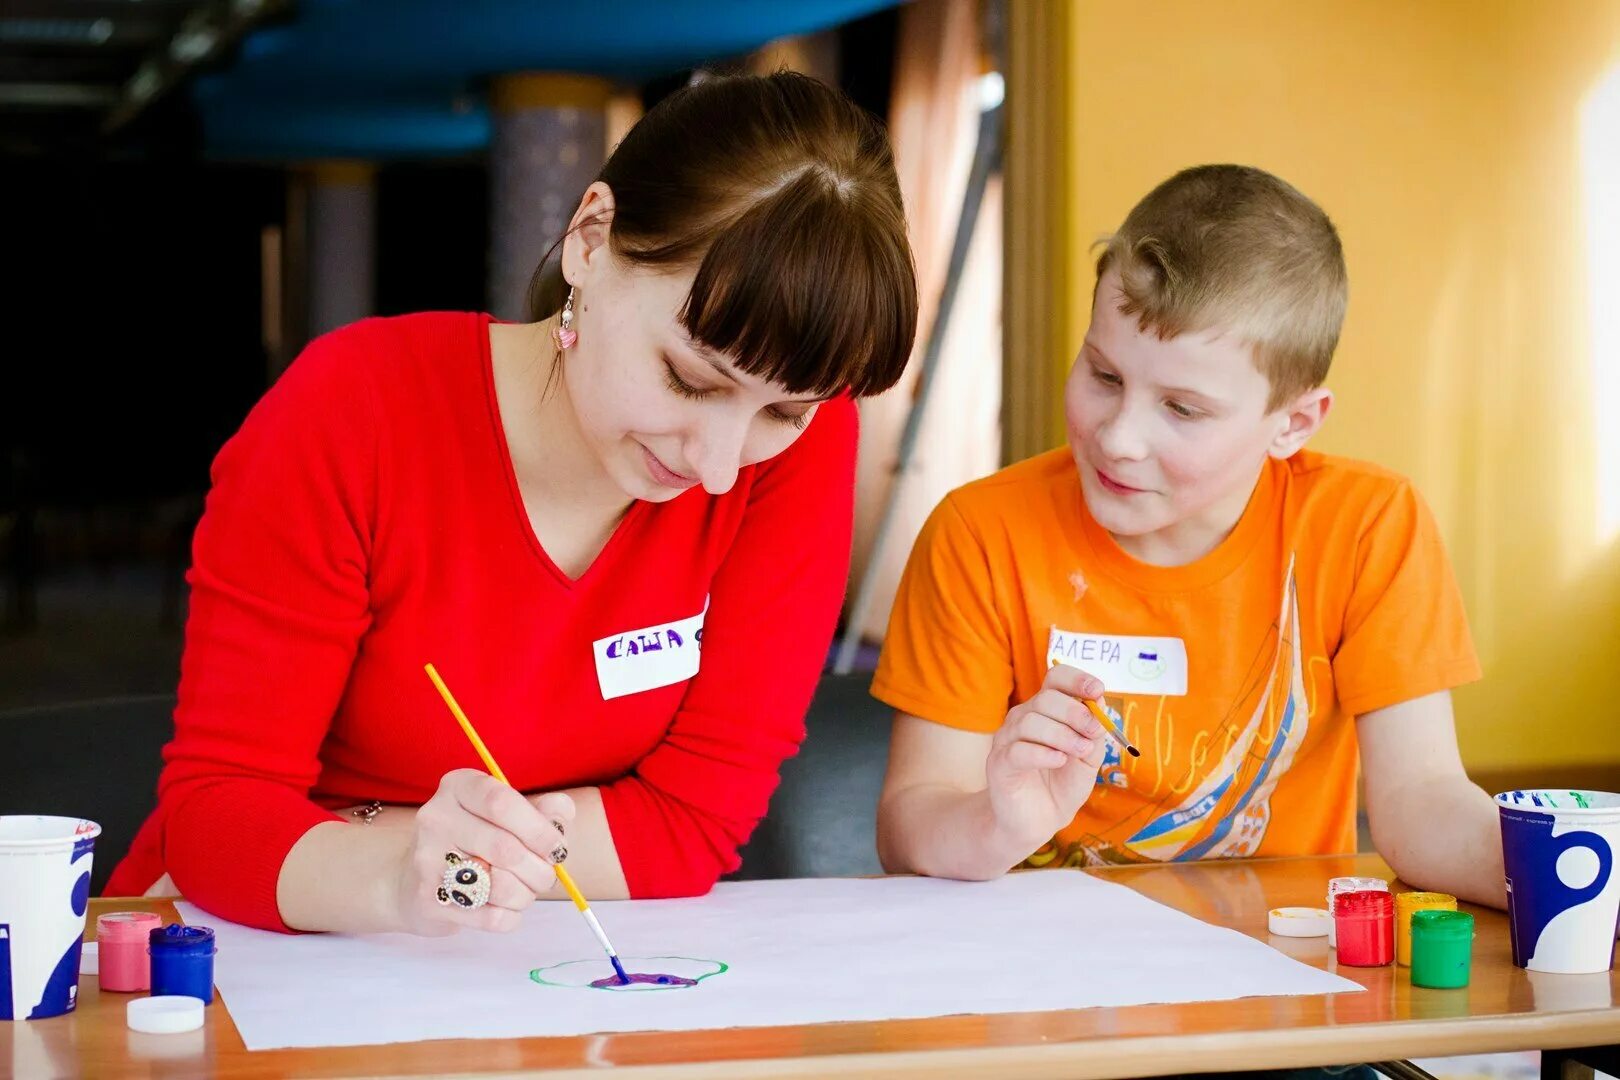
<point>405,78</point>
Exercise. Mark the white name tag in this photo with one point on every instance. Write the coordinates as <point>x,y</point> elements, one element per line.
<point>653,656</point>
<point>1126,665</point>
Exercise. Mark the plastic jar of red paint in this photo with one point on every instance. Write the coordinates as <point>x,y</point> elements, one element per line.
<point>121,938</point>
<point>1365,924</point>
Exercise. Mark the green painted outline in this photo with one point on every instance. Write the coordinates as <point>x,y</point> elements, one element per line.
<point>724,967</point>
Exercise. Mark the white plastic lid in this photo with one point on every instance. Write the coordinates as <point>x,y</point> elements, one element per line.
<point>1299,922</point>
<point>166,1014</point>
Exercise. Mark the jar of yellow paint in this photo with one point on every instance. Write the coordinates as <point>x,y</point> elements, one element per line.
<point>1405,904</point>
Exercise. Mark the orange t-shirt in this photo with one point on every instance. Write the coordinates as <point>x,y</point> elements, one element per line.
<point>1331,598</point>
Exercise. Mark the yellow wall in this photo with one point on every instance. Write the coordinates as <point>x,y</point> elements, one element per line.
<point>1444,140</point>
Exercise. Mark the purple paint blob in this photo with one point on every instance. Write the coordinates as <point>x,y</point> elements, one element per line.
<point>651,980</point>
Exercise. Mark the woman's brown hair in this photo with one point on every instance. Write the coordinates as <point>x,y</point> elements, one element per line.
<point>781,193</point>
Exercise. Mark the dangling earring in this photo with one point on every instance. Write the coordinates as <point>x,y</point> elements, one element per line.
<point>564,333</point>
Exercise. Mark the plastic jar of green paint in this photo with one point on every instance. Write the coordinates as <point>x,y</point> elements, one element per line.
<point>1442,948</point>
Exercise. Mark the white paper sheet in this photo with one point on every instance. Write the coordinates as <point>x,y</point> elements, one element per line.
<point>797,952</point>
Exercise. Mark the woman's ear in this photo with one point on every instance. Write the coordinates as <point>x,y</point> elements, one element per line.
<point>586,245</point>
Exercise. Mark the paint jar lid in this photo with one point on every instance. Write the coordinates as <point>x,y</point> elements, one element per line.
<point>166,1014</point>
<point>126,925</point>
<point>191,940</point>
<point>1298,922</point>
<point>1442,926</point>
<point>1364,904</point>
<point>1409,901</point>
<point>1339,885</point>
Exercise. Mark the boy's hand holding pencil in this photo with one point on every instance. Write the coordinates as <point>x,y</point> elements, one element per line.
<point>1044,760</point>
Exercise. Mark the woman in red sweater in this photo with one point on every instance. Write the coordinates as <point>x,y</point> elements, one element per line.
<point>620,532</point>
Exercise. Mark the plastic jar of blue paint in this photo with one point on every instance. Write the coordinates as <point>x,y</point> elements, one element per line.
<point>182,961</point>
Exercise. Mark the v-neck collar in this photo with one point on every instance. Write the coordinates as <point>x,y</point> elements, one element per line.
<point>503,450</point>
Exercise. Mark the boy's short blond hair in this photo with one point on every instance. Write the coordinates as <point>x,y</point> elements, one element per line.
<point>1234,249</point>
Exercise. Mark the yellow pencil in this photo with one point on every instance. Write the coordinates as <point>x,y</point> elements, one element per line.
<point>1112,728</point>
<point>495,771</point>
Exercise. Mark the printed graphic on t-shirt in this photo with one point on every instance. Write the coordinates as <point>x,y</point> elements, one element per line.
<point>1224,808</point>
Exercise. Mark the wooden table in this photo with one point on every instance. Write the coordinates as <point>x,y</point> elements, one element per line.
<point>1504,1009</point>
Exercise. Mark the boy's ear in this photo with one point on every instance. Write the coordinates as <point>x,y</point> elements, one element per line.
<point>1303,418</point>
<point>585,245</point>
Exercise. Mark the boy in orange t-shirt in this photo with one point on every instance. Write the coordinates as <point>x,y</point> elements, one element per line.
<point>1255,612</point>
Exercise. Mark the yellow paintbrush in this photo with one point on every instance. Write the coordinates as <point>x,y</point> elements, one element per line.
<point>1112,728</point>
<point>495,771</point>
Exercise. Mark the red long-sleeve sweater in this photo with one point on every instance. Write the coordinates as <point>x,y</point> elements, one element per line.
<point>366,520</point>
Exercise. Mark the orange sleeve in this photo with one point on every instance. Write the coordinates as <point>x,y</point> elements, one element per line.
<point>1405,630</point>
<point>947,656</point>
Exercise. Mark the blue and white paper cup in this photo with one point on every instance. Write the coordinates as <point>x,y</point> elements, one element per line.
<point>44,892</point>
<point>1560,851</point>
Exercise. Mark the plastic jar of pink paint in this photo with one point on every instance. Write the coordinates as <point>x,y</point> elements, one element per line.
<point>121,939</point>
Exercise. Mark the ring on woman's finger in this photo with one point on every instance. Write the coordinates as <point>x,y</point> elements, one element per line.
<point>466,882</point>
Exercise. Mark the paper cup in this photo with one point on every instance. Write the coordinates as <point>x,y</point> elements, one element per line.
<point>44,891</point>
<point>1563,887</point>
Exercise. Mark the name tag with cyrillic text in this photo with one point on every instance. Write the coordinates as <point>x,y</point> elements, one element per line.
<point>1125,664</point>
<point>648,658</point>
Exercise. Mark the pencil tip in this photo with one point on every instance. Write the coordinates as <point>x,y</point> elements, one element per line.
<point>1134,751</point>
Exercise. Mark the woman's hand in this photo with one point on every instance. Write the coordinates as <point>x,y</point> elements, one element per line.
<point>473,814</point>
